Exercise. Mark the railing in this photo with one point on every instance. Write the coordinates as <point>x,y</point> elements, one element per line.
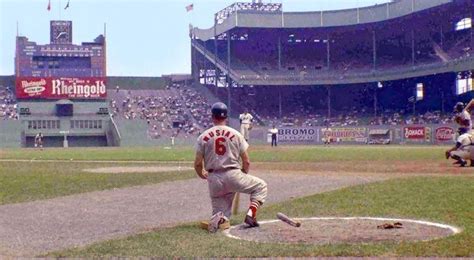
<point>330,77</point>
<point>114,133</point>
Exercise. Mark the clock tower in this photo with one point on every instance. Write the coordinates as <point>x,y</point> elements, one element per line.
<point>61,32</point>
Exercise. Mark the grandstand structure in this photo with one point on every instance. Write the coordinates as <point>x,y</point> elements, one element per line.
<point>61,90</point>
<point>401,57</point>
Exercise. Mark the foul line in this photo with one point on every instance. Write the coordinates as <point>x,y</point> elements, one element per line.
<point>454,230</point>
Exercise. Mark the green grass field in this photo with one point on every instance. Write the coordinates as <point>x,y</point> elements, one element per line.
<point>422,186</point>
<point>258,153</point>
<point>25,181</point>
<point>445,199</point>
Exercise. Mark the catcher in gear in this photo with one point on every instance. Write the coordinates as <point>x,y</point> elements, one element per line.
<point>219,151</point>
<point>463,150</point>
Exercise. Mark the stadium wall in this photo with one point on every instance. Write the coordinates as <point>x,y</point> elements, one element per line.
<point>10,136</point>
<point>135,133</point>
<point>403,134</point>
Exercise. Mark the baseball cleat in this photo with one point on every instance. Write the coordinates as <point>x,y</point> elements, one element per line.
<point>251,222</point>
<point>462,163</point>
<point>215,221</point>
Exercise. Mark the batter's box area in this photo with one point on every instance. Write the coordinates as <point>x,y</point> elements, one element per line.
<point>336,230</point>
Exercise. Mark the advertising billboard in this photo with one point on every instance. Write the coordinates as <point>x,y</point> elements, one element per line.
<point>61,88</point>
<point>296,135</point>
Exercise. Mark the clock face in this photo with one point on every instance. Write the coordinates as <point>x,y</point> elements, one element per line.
<point>61,32</point>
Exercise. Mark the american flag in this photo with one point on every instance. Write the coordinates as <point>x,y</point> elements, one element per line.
<point>189,8</point>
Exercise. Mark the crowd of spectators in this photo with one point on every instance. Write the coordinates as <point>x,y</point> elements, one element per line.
<point>177,110</point>
<point>358,118</point>
<point>8,105</point>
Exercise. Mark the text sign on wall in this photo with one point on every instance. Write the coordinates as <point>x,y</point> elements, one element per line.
<point>356,134</point>
<point>61,88</point>
<point>417,133</point>
<point>414,132</point>
<point>298,135</point>
<point>444,133</point>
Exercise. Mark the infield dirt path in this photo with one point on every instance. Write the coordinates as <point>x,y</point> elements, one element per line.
<point>34,228</point>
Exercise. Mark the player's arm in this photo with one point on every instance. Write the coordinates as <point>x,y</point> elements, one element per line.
<point>454,148</point>
<point>245,162</point>
<point>199,166</point>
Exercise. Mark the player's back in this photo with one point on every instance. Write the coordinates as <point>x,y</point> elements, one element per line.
<point>221,147</point>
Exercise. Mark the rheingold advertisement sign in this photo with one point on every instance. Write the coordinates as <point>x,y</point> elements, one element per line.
<point>61,88</point>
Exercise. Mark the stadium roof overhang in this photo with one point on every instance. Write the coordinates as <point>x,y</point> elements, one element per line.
<point>290,20</point>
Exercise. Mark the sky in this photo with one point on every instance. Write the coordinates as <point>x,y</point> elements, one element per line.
<point>144,37</point>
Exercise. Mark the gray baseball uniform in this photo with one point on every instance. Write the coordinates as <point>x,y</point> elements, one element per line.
<point>466,148</point>
<point>245,121</point>
<point>221,147</point>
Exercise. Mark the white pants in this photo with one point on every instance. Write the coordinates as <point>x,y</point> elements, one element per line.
<point>244,130</point>
<point>466,153</point>
<point>224,185</point>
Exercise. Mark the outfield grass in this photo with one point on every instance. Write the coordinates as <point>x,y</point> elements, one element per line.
<point>439,199</point>
<point>25,181</point>
<point>36,179</point>
<point>257,153</point>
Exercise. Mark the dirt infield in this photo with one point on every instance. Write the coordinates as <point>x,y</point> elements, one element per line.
<point>336,230</point>
<point>78,220</point>
<point>138,169</point>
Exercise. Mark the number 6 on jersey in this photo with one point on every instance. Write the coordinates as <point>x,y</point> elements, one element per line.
<point>219,146</point>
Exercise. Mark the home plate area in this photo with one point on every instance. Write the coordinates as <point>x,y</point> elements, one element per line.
<point>338,230</point>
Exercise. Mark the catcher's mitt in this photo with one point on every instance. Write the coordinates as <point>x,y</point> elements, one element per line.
<point>250,127</point>
<point>447,154</point>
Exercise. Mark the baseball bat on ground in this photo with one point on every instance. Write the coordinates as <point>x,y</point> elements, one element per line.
<point>288,220</point>
<point>235,204</point>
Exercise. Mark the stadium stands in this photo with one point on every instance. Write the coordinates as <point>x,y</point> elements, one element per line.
<point>8,103</point>
<point>325,68</point>
<point>175,111</point>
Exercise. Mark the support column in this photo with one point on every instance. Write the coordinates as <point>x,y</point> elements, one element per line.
<point>279,104</point>
<point>229,95</point>
<point>279,52</point>
<point>374,47</point>
<point>375,101</point>
<point>228,53</point>
<point>229,80</point>
<point>328,52</point>
<point>329,102</point>
<point>413,47</point>
<point>471,6</point>
<point>442,100</point>
<point>215,51</point>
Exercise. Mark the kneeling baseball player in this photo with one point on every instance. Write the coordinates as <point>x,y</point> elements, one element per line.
<point>218,151</point>
<point>463,150</point>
